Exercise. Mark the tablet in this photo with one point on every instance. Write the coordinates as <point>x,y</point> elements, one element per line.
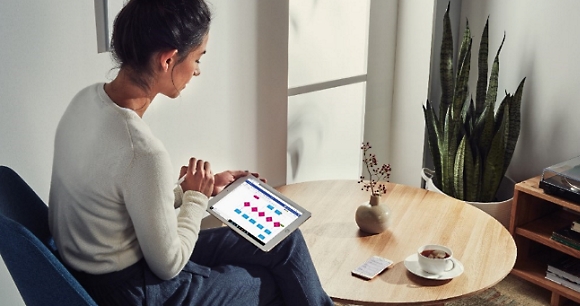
<point>257,212</point>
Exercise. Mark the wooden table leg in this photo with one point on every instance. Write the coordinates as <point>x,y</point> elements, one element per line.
<point>557,300</point>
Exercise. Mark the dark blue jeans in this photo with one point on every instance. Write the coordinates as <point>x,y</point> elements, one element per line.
<point>241,274</point>
<point>224,269</point>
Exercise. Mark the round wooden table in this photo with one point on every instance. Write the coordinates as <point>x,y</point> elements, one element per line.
<point>484,247</point>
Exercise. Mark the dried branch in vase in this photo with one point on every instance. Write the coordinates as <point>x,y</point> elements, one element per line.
<point>377,174</point>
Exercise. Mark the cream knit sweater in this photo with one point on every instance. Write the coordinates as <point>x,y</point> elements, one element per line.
<point>112,192</point>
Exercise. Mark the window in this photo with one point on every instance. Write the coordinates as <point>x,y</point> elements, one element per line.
<point>327,72</point>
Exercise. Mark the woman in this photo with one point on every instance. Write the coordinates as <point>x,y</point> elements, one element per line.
<point>112,199</point>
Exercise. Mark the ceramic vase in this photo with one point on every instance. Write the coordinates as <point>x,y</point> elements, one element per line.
<point>372,216</point>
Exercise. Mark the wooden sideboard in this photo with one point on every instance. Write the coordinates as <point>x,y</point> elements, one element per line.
<point>534,217</point>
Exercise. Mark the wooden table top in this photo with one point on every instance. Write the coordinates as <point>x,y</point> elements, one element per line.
<point>484,247</point>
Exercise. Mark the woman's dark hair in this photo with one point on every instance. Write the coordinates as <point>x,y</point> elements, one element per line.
<point>145,27</point>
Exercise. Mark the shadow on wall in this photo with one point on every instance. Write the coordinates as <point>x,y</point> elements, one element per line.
<point>305,136</point>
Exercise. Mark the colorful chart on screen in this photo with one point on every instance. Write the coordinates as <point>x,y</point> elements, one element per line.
<point>257,211</point>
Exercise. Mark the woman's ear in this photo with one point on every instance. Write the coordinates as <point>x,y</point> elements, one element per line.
<point>166,59</point>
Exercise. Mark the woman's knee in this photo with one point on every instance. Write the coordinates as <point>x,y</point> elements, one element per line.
<point>295,242</point>
<point>243,285</point>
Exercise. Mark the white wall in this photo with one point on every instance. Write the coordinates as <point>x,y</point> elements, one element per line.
<point>380,78</point>
<point>234,114</point>
<point>542,45</point>
<point>49,53</point>
<point>411,83</point>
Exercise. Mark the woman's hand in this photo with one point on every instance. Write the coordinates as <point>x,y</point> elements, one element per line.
<point>225,178</point>
<point>198,177</point>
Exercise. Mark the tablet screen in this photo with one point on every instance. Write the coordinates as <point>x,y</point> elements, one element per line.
<point>256,211</point>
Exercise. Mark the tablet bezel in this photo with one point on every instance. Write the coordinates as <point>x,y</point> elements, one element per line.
<point>305,214</point>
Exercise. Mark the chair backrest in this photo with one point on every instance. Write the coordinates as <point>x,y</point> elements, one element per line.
<point>27,248</point>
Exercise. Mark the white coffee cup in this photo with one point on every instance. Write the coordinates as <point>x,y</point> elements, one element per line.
<point>435,258</point>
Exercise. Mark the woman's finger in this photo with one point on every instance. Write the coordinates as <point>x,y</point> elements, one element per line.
<point>207,167</point>
<point>192,165</point>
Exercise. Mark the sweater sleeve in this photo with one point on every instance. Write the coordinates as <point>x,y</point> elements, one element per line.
<point>178,193</point>
<point>166,241</point>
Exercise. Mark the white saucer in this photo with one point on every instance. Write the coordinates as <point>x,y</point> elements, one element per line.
<point>412,264</point>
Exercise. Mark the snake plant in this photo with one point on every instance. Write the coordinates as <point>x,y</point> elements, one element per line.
<point>471,142</point>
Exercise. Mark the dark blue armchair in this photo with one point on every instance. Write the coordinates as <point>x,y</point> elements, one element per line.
<point>28,250</point>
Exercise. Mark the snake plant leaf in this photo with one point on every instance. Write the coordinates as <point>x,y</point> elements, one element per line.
<point>461,83</point>
<point>485,130</point>
<point>493,168</point>
<point>493,78</point>
<point>446,67</point>
<point>506,109</point>
<point>433,136</point>
<point>466,178</point>
<point>461,89</point>
<point>458,170</point>
<point>482,71</point>
<point>471,144</point>
<point>507,100</point>
<point>467,115</point>
<point>514,123</point>
<point>448,147</point>
<point>473,174</point>
<point>465,46</point>
<point>503,110</point>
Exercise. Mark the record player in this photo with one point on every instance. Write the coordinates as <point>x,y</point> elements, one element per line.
<point>563,180</point>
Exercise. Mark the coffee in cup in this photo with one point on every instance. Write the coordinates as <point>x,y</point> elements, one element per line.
<point>435,258</point>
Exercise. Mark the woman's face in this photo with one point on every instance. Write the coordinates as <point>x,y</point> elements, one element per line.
<point>183,72</point>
